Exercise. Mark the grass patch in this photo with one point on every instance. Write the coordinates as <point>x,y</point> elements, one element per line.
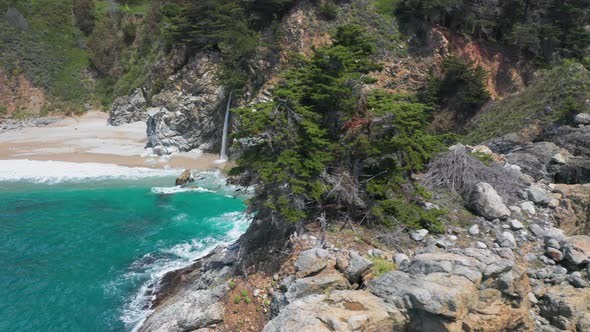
<point>385,7</point>
<point>382,266</point>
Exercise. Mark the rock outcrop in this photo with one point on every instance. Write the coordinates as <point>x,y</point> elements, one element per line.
<point>190,299</point>
<point>188,114</point>
<point>129,109</point>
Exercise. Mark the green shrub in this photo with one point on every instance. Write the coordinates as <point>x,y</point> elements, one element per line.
<point>386,7</point>
<point>382,266</point>
<point>461,88</point>
<point>328,10</point>
<point>244,292</point>
<point>231,284</point>
<point>237,299</point>
<point>247,300</point>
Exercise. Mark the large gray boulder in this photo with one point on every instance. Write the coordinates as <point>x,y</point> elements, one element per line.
<point>436,293</point>
<point>576,249</point>
<point>128,109</point>
<point>340,310</point>
<point>538,195</point>
<point>582,118</point>
<point>312,261</point>
<point>486,202</point>
<point>357,266</point>
<point>195,310</point>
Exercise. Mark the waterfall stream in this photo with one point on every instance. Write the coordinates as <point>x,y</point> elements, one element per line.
<point>223,152</point>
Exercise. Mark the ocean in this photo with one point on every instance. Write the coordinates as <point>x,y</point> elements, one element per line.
<point>81,243</point>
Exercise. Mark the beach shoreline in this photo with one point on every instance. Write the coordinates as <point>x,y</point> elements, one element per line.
<point>89,139</point>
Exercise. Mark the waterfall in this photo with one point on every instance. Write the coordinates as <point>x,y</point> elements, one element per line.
<point>223,153</point>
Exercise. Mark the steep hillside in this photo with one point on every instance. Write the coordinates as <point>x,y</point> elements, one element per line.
<point>555,96</point>
<point>41,57</point>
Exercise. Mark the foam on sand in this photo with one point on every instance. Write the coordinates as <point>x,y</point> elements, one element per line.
<point>53,172</point>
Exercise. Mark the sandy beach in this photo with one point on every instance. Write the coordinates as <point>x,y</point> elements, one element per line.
<point>89,139</point>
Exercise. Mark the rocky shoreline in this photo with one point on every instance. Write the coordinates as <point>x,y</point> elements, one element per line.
<point>8,124</point>
<point>520,264</point>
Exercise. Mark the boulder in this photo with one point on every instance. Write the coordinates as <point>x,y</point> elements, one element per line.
<point>184,178</point>
<point>357,266</point>
<point>486,202</point>
<point>558,158</point>
<point>441,294</point>
<point>576,249</point>
<point>565,307</point>
<point>340,310</point>
<point>528,207</point>
<point>418,235</point>
<point>515,224</point>
<point>312,261</point>
<point>582,118</point>
<point>400,259</point>
<point>538,195</point>
<point>537,230</point>
<point>474,230</point>
<point>128,109</point>
<point>506,240</point>
<point>199,309</point>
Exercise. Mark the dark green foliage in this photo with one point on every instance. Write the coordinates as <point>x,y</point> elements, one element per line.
<point>47,51</point>
<point>105,46</point>
<point>328,10</point>
<point>84,15</point>
<point>460,88</point>
<point>545,29</point>
<point>321,127</point>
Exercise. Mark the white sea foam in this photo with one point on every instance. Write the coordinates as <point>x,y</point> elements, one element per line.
<point>179,256</point>
<point>52,172</point>
<point>178,189</point>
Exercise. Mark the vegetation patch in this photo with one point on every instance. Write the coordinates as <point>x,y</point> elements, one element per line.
<point>556,96</point>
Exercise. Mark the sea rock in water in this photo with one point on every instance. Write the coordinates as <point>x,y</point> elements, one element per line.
<point>128,109</point>
<point>184,178</point>
<point>486,202</point>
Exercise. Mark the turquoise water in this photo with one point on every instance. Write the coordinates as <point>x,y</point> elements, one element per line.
<point>79,256</point>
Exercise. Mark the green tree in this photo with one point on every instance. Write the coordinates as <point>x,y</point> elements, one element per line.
<point>84,15</point>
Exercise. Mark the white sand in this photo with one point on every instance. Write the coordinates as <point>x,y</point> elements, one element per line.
<point>90,139</point>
